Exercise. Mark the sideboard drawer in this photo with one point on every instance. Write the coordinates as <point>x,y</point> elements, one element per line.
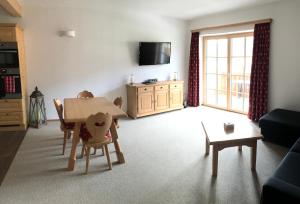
<point>8,105</point>
<point>161,87</point>
<point>176,86</point>
<point>145,89</point>
<point>10,118</point>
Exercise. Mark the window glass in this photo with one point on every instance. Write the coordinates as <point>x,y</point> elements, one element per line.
<point>222,48</point>
<point>211,48</point>
<point>249,46</point>
<point>211,65</point>
<point>228,70</point>
<point>211,97</point>
<point>237,66</point>
<point>211,81</point>
<point>238,47</point>
<point>222,65</point>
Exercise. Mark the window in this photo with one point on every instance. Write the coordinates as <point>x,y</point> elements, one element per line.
<point>226,71</point>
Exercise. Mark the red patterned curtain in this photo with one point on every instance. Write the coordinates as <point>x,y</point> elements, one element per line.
<point>258,99</point>
<point>193,89</point>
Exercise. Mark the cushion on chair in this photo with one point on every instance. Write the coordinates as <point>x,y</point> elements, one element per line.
<point>85,134</point>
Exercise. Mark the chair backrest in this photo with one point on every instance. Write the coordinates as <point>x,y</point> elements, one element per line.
<point>59,109</point>
<point>118,102</point>
<point>85,94</point>
<point>98,125</point>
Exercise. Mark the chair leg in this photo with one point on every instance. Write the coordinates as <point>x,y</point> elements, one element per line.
<point>65,141</point>
<point>82,150</point>
<point>116,123</point>
<point>103,151</point>
<point>95,151</point>
<point>87,159</point>
<point>69,134</point>
<point>108,157</point>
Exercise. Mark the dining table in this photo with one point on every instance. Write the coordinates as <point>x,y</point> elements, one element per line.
<point>77,110</point>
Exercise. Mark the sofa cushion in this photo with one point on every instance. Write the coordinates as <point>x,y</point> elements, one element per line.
<point>279,191</point>
<point>281,126</point>
<point>283,117</point>
<point>284,185</point>
<point>289,169</point>
<point>296,147</point>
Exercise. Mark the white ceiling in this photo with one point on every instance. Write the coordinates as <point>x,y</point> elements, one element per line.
<point>182,9</point>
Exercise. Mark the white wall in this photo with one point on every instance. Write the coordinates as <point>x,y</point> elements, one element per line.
<point>284,80</point>
<point>104,52</point>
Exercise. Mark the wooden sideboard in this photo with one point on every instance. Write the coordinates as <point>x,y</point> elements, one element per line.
<point>13,114</point>
<point>155,98</point>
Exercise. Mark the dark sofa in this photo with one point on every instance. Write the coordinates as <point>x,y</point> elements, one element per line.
<point>281,126</point>
<point>284,185</point>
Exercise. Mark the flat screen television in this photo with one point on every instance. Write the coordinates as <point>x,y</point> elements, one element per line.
<point>153,53</point>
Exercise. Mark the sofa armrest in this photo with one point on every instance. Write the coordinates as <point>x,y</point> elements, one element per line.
<point>279,191</point>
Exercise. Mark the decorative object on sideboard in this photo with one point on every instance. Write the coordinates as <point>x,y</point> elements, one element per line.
<point>175,76</point>
<point>67,33</point>
<point>150,81</point>
<point>131,79</point>
<point>37,110</point>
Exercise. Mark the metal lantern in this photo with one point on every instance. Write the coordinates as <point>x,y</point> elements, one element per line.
<point>37,110</point>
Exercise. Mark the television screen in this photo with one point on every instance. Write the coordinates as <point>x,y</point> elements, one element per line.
<point>152,53</point>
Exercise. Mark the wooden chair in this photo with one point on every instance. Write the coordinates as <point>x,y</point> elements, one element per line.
<point>85,94</point>
<point>118,102</point>
<point>98,125</point>
<point>67,128</point>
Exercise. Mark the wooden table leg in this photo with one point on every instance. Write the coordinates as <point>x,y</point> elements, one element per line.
<point>215,160</point>
<point>75,141</point>
<point>240,148</point>
<point>207,147</point>
<point>114,135</point>
<point>253,156</point>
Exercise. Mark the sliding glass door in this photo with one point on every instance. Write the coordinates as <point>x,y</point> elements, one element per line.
<point>226,71</point>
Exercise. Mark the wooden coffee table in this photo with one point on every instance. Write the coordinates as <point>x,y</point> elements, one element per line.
<point>243,134</point>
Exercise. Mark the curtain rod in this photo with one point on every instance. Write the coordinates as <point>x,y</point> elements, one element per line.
<point>269,20</point>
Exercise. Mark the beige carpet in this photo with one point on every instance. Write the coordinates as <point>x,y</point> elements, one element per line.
<point>165,163</point>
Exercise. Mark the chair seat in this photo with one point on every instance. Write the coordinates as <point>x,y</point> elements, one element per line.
<point>85,134</point>
<point>98,145</point>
